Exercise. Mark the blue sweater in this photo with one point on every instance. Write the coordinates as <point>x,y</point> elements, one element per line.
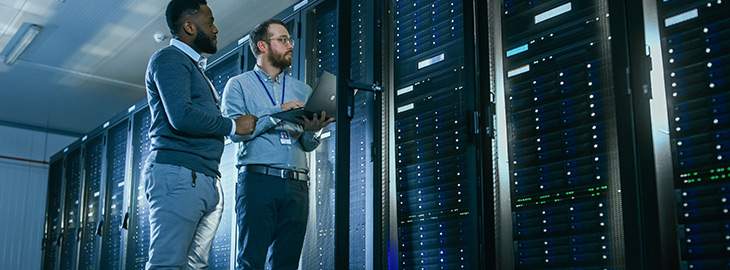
<point>187,128</point>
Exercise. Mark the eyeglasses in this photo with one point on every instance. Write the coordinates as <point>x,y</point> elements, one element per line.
<point>284,40</point>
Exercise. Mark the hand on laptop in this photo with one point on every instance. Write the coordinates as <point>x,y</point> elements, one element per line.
<point>292,105</point>
<point>317,122</point>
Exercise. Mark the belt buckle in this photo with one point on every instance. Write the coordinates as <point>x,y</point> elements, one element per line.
<point>285,174</point>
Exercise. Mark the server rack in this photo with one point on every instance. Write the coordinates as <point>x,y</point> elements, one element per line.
<point>435,141</point>
<point>694,50</point>
<point>112,242</point>
<point>223,251</point>
<point>319,38</point>
<point>54,218</point>
<point>91,201</point>
<point>139,230</point>
<point>573,128</point>
<point>72,198</point>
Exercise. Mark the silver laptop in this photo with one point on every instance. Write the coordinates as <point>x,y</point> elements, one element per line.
<point>322,99</point>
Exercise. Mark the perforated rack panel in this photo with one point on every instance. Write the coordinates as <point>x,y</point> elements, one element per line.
<point>561,132</point>
<point>93,154</point>
<point>139,230</point>
<point>696,49</point>
<point>112,237</point>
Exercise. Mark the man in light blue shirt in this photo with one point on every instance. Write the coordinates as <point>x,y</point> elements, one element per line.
<point>272,201</point>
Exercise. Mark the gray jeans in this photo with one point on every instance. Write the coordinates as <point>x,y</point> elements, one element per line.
<point>185,210</point>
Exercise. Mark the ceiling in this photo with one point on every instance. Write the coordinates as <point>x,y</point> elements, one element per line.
<point>88,62</point>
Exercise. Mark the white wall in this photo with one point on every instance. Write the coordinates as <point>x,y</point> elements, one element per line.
<point>23,194</point>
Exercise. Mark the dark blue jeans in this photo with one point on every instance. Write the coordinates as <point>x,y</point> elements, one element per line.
<point>271,216</point>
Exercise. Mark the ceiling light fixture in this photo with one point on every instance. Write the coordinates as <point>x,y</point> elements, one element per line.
<point>22,39</point>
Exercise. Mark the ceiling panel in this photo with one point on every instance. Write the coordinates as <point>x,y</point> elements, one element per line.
<point>88,62</point>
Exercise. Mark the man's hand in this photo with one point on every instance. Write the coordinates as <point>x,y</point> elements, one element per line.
<point>245,124</point>
<point>316,123</point>
<point>292,105</point>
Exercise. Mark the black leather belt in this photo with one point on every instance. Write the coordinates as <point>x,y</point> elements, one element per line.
<point>283,173</point>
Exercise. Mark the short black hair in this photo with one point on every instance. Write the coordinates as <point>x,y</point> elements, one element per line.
<point>261,32</point>
<point>177,8</point>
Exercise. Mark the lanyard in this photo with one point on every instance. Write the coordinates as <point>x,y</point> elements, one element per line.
<point>283,88</point>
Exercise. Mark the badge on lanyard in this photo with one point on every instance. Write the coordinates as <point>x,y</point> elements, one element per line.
<point>284,137</point>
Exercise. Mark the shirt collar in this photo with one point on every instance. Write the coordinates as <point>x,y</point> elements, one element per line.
<point>278,78</point>
<point>199,59</point>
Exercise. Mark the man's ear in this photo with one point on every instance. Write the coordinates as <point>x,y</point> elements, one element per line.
<point>189,28</point>
<point>261,45</point>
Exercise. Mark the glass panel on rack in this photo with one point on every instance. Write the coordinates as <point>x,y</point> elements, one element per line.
<point>696,51</point>
<point>566,206</point>
<point>69,243</point>
<point>93,153</point>
<point>111,247</point>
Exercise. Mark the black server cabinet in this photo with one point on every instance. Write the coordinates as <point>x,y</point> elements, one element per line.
<point>71,210</point>
<point>320,42</point>
<point>223,249</point>
<point>224,68</point>
<point>695,39</point>
<point>52,228</point>
<point>112,242</point>
<point>139,228</point>
<point>565,175</point>
<point>91,202</point>
<point>435,154</point>
<point>364,126</point>
<point>248,60</point>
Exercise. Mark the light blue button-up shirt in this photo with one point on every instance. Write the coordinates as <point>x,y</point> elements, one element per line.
<point>245,94</point>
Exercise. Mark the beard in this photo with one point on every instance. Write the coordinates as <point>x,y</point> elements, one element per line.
<point>281,61</point>
<point>204,43</point>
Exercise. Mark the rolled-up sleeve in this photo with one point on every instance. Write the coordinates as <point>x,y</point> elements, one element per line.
<point>234,105</point>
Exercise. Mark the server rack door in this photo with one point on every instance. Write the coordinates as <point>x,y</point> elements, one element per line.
<point>223,253</point>
<point>435,153</point>
<point>320,40</point>
<point>224,69</point>
<point>293,24</point>
<point>54,219</point>
<point>116,159</point>
<point>91,199</point>
<point>72,198</point>
<point>223,249</point>
<point>364,189</point>
<point>139,232</point>
<point>694,45</point>
<point>248,60</point>
<point>559,98</point>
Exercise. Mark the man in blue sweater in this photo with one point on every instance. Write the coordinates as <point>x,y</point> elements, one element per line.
<point>187,139</point>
